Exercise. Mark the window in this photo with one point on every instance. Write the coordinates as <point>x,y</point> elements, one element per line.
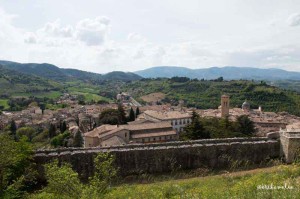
<point>143,140</point>
<point>125,134</point>
<point>153,139</point>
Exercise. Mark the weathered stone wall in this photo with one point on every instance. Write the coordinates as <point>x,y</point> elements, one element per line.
<point>290,146</point>
<point>165,157</point>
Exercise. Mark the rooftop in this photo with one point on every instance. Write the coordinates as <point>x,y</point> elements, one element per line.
<point>166,115</point>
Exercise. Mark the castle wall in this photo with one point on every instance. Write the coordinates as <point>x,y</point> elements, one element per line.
<point>290,146</point>
<point>166,157</point>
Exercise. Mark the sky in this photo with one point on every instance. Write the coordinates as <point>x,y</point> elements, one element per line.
<point>129,35</point>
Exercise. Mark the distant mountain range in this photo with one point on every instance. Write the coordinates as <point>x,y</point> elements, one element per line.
<point>228,73</point>
<point>55,73</point>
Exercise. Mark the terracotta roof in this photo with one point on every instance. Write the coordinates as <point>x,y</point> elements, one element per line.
<point>145,135</point>
<point>137,127</point>
<point>100,130</point>
<point>114,141</point>
<point>293,127</point>
<point>145,126</point>
<point>166,115</point>
<point>141,121</point>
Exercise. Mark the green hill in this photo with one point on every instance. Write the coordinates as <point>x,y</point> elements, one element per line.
<point>13,82</point>
<point>206,94</point>
<point>55,73</point>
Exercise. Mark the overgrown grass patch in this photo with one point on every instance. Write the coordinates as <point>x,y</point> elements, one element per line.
<point>4,103</point>
<point>277,182</point>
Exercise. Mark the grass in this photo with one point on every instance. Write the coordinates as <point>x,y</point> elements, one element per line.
<point>4,103</point>
<point>90,96</point>
<point>243,184</point>
<point>51,94</point>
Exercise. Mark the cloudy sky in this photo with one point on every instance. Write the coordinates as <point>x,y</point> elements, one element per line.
<point>129,35</point>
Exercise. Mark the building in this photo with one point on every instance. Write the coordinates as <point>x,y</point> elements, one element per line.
<point>290,142</point>
<point>246,106</point>
<point>111,135</point>
<point>224,105</point>
<point>177,119</point>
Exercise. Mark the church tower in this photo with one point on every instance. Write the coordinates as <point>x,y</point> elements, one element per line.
<point>224,105</point>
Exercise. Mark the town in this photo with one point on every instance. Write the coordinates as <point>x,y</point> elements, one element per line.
<point>148,124</point>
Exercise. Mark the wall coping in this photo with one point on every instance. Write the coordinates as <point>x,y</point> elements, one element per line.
<point>138,147</point>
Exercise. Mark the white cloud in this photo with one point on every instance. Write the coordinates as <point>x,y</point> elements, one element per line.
<point>93,31</point>
<point>294,19</point>
<point>30,38</point>
<point>55,29</point>
<point>124,42</point>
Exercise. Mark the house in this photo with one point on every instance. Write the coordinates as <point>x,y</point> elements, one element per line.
<point>109,135</point>
<point>177,119</point>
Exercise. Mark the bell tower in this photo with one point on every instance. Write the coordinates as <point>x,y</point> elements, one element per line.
<point>224,105</point>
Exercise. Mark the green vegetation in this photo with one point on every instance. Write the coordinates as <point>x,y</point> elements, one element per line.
<point>64,183</point>
<point>78,139</point>
<point>4,104</point>
<point>113,116</point>
<point>17,175</point>
<point>220,187</point>
<point>131,115</point>
<point>206,94</point>
<point>203,128</point>
<point>61,139</point>
<point>20,86</point>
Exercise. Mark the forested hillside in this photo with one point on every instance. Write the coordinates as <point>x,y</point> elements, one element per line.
<point>206,94</point>
<point>94,87</point>
<point>55,73</point>
<point>13,82</point>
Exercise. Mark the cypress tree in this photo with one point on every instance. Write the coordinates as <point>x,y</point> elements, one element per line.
<point>245,125</point>
<point>131,115</point>
<point>122,114</point>
<point>137,111</point>
<point>195,129</point>
<point>52,131</point>
<point>13,129</point>
<point>78,140</point>
<point>63,126</point>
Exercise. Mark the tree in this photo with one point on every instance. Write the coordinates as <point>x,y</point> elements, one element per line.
<point>52,130</point>
<point>109,116</point>
<point>105,172</point>
<point>13,129</point>
<point>62,182</point>
<point>122,114</point>
<point>42,107</point>
<point>26,131</point>
<point>78,140</point>
<point>63,126</point>
<point>60,140</point>
<point>195,129</point>
<point>245,125</point>
<point>16,173</point>
<point>131,115</point>
<point>137,111</point>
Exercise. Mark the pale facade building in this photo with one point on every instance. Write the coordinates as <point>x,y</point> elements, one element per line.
<point>224,105</point>
<point>177,119</point>
<point>113,135</point>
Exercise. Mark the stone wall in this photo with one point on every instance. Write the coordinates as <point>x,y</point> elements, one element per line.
<point>290,146</point>
<point>166,157</point>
